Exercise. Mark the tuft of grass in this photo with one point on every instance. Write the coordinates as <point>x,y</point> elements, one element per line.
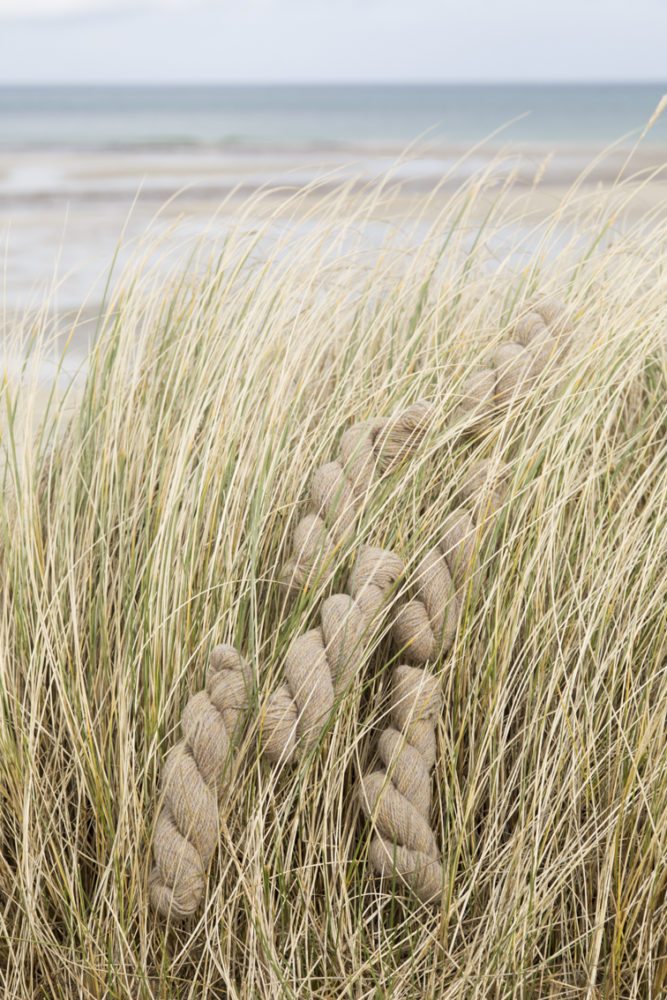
<point>146,511</point>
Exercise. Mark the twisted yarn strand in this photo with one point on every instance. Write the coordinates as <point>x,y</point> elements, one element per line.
<point>320,664</point>
<point>539,338</point>
<point>337,489</point>
<point>186,831</point>
<point>397,797</point>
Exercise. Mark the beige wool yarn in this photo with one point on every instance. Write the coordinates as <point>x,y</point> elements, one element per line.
<point>372,448</point>
<point>321,663</point>
<point>186,831</point>
<point>396,798</point>
<point>337,489</point>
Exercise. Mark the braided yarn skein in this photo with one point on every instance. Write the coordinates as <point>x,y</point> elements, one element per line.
<point>397,797</point>
<point>319,666</point>
<point>320,663</point>
<point>186,831</point>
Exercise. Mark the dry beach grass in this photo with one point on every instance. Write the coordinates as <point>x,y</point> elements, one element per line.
<point>145,519</point>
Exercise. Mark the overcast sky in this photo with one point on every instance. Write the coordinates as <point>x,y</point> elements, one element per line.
<point>336,40</point>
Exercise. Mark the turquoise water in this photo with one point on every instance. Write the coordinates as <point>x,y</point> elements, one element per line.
<point>320,116</point>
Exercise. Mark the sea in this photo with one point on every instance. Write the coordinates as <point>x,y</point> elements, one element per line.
<point>233,117</point>
<point>83,169</point>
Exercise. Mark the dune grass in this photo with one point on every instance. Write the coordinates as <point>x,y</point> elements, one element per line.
<point>145,516</point>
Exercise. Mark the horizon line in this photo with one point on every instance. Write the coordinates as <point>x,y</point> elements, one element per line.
<point>497,82</point>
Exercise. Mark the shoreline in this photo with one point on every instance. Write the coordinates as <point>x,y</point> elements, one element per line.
<point>64,216</point>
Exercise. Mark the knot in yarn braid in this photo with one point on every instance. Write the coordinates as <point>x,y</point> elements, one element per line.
<point>337,488</point>
<point>320,664</point>
<point>186,830</point>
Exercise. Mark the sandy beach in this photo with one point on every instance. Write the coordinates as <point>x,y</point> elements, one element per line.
<point>94,175</point>
<point>63,215</point>
<point>75,225</point>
